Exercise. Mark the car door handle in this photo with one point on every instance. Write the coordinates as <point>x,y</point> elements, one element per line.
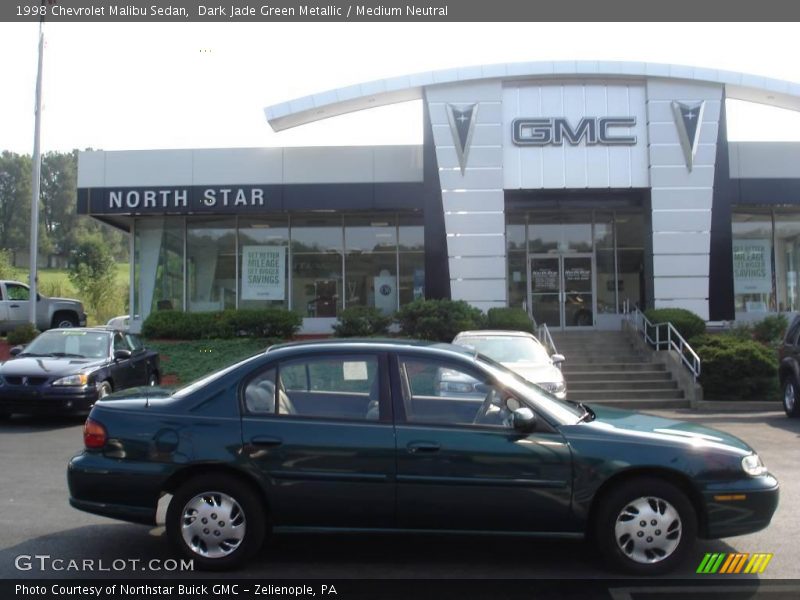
<point>265,442</point>
<point>420,447</point>
<point>14,306</point>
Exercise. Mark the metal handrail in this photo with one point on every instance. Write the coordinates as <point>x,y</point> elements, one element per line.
<point>671,341</point>
<point>543,334</point>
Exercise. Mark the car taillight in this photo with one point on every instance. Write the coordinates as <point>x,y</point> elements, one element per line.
<point>94,434</point>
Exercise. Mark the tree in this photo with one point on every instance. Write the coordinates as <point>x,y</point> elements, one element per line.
<point>15,200</point>
<point>92,273</point>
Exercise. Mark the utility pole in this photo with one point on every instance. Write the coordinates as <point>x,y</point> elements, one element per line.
<point>36,179</point>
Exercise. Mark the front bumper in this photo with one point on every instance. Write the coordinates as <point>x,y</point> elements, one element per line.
<point>46,400</point>
<point>741,507</point>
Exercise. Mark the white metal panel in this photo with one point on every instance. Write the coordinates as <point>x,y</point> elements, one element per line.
<point>488,112</point>
<point>486,156</point>
<point>476,290</point>
<point>682,91</point>
<point>681,243</point>
<point>482,135</point>
<point>246,166</point>
<point>681,220</point>
<point>661,110</point>
<point>476,245</point>
<point>677,198</point>
<point>473,200</point>
<point>680,176</point>
<point>672,155</point>
<point>476,91</point>
<point>488,178</point>
<point>91,169</point>
<point>328,165</point>
<point>397,163</point>
<point>680,287</point>
<point>697,306</point>
<point>140,168</point>
<point>681,265</point>
<point>469,223</point>
<point>477,267</point>
<point>666,133</point>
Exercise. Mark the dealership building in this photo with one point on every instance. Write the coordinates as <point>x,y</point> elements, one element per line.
<point>575,190</point>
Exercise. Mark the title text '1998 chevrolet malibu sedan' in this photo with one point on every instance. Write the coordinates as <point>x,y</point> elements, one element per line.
<point>353,435</point>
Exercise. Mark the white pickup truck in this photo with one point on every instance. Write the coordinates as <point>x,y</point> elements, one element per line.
<point>50,312</point>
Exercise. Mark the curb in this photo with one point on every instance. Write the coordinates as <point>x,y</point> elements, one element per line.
<point>737,406</point>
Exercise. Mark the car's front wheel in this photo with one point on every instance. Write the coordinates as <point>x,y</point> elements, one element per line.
<point>645,526</point>
<point>790,403</point>
<point>216,520</point>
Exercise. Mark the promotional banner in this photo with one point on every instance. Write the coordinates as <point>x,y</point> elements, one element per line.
<point>263,273</point>
<point>752,266</point>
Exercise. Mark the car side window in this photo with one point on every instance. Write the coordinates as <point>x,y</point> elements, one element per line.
<point>134,342</point>
<point>120,343</point>
<point>17,292</point>
<point>260,392</point>
<point>442,393</point>
<point>334,387</point>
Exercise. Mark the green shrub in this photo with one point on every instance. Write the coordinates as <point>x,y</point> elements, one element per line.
<point>362,321</point>
<point>253,323</point>
<point>7,269</point>
<point>438,320</point>
<point>735,369</point>
<point>22,335</point>
<point>770,329</point>
<point>514,319</point>
<point>685,321</point>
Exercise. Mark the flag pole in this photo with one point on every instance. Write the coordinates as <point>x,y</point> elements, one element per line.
<point>36,179</point>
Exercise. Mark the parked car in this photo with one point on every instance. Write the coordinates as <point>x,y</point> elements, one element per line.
<point>789,369</point>
<point>351,435</point>
<point>50,312</point>
<point>522,353</point>
<point>65,371</point>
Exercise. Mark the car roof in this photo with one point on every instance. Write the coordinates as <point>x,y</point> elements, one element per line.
<point>383,344</point>
<point>99,329</point>
<point>495,333</point>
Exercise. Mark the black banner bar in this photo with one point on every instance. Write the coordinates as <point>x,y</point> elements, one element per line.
<point>397,11</point>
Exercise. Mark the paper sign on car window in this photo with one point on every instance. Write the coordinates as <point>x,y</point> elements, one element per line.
<point>354,370</point>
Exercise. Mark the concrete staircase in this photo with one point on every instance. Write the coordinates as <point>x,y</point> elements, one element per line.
<point>604,367</point>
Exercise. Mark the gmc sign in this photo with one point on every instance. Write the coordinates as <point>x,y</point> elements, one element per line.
<point>594,131</point>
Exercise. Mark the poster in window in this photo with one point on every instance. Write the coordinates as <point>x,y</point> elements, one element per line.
<point>263,272</point>
<point>752,266</point>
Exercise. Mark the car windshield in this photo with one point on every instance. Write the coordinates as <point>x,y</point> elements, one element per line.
<point>507,349</point>
<point>70,343</point>
<point>564,412</point>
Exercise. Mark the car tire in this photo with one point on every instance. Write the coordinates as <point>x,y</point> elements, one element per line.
<point>64,320</point>
<point>645,527</point>
<point>103,389</point>
<point>243,520</point>
<point>791,402</point>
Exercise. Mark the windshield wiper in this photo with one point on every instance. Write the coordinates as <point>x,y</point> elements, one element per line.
<point>66,354</point>
<point>588,413</point>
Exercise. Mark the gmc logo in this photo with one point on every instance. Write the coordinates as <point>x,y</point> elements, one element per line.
<point>595,131</point>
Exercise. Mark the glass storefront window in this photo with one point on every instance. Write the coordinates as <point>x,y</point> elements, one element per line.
<point>411,238</point>
<point>158,264</point>
<point>516,225</point>
<point>211,264</point>
<point>264,262</point>
<point>787,260</point>
<point>630,260</point>
<point>371,262</point>
<point>752,262</point>
<point>605,264</point>
<point>317,266</point>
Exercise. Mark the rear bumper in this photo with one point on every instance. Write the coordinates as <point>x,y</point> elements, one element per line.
<point>740,509</point>
<point>33,401</point>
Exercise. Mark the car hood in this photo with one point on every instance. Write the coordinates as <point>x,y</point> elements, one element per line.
<point>536,372</point>
<point>42,366</point>
<point>633,424</point>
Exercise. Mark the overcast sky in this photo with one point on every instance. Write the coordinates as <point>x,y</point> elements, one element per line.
<point>136,86</point>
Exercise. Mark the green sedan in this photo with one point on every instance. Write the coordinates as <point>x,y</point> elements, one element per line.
<point>357,436</point>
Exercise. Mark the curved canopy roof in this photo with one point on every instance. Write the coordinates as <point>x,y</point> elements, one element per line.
<point>740,86</point>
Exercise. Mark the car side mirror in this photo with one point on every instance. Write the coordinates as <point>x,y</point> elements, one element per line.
<point>523,420</point>
<point>16,350</point>
<point>558,358</point>
<point>122,354</point>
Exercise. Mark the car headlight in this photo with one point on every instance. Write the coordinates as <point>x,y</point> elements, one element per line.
<point>752,465</point>
<point>79,379</point>
<point>555,387</point>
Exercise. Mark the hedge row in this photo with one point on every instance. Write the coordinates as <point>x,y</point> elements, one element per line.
<point>261,323</point>
<point>736,369</point>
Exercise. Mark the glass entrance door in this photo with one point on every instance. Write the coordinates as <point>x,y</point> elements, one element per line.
<point>562,290</point>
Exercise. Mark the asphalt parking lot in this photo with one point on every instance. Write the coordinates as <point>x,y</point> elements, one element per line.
<point>37,520</point>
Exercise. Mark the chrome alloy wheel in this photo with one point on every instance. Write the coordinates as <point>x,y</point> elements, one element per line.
<point>213,524</point>
<point>788,396</point>
<point>648,530</point>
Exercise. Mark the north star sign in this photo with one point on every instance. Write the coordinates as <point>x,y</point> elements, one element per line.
<point>183,199</point>
<point>594,131</point>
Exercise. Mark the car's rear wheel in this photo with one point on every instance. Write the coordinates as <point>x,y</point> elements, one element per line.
<point>790,402</point>
<point>216,520</point>
<point>645,526</point>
